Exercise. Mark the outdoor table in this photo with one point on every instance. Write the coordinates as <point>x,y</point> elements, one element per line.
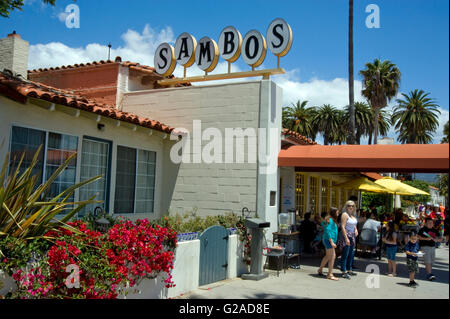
<point>283,239</point>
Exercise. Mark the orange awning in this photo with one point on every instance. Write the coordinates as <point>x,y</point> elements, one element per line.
<point>420,158</point>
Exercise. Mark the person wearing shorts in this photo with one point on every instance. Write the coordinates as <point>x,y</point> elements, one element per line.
<point>329,239</point>
<point>411,249</point>
<point>428,237</point>
<point>390,242</point>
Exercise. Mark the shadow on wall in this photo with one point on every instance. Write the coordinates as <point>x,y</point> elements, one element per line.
<point>170,177</point>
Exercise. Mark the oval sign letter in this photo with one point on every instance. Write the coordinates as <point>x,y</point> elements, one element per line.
<point>164,59</point>
<point>279,37</point>
<point>185,49</point>
<point>254,48</point>
<point>207,54</point>
<point>230,42</point>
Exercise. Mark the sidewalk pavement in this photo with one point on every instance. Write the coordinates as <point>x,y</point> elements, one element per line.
<point>305,283</point>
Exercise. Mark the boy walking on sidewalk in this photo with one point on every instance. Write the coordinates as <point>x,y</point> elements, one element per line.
<point>411,249</point>
<point>428,237</point>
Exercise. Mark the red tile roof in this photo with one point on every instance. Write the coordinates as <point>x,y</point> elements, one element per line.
<point>134,66</point>
<point>297,138</point>
<point>374,176</point>
<point>19,89</point>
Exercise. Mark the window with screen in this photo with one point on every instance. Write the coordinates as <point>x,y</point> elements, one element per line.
<point>135,181</point>
<point>27,140</point>
<point>56,149</point>
<point>95,161</point>
<point>59,148</point>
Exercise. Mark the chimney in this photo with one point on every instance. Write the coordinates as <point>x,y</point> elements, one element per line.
<point>14,54</point>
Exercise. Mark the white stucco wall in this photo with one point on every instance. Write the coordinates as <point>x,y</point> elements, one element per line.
<point>215,188</point>
<point>268,174</point>
<point>186,268</point>
<point>32,116</point>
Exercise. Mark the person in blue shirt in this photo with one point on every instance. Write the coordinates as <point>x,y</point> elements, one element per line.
<point>411,249</point>
<point>329,239</point>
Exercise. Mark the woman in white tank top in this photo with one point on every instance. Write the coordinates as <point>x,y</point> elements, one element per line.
<point>347,241</point>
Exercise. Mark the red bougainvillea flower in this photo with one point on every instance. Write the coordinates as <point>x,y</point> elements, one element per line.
<point>127,253</point>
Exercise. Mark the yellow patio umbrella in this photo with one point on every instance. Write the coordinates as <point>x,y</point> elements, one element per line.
<point>365,185</point>
<point>399,188</point>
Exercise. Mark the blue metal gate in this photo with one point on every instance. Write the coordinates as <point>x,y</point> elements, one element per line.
<point>213,255</point>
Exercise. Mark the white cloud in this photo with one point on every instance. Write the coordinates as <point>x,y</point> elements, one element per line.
<point>138,47</point>
<point>316,91</point>
<point>443,118</point>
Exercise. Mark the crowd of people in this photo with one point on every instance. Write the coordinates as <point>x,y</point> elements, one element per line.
<point>337,232</point>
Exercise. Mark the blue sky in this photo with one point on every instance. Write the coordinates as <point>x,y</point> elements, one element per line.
<point>413,34</point>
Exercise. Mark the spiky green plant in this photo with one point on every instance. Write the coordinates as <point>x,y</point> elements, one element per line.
<point>23,212</point>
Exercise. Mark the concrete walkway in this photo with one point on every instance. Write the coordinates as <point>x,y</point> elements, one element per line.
<point>304,283</point>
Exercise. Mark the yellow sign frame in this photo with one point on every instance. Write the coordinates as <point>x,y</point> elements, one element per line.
<point>225,76</point>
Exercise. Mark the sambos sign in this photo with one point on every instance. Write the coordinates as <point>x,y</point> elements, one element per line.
<point>205,53</point>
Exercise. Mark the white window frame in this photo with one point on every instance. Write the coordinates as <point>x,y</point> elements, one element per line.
<point>45,146</point>
<point>135,180</point>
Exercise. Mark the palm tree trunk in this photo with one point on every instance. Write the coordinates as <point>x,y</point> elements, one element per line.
<point>375,126</point>
<point>351,91</point>
<point>370,138</point>
<point>358,138</point>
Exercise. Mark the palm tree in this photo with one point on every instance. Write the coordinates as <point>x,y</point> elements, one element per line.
<point>416,118</point>
<point>340,135</point>
<point>363,120</point>
<point>384,124</point>
<point>380,84</point>
<point>327,122</point>
<point>298,118</point>
<point>286,121</point>
<point>446,135</point>
<point>351,89</point>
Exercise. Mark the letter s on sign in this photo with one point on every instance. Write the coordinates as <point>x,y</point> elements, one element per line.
<point>164,60</point>
<point>279,37</point>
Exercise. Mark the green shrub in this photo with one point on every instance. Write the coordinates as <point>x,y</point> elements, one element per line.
<point>191,222</point>
<point>382,202</point>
